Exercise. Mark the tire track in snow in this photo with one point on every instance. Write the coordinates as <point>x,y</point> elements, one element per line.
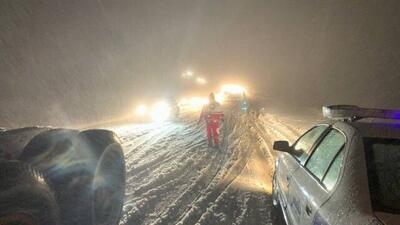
<point>218,213</point>
<point>173,178</point>
<point>248,206</point>
<point>144,143</point>
<point>223,178</point>
<point>184,152</point>
<point>171,153</point>
<point>193,192</point>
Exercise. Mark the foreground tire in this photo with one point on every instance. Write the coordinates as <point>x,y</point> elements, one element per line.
<point>109,178</point>
<point>87,170</point>
<point>25,197</point>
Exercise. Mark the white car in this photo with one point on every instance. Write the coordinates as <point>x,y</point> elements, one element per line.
<point>344,171</point>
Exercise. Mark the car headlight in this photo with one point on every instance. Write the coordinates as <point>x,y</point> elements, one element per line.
<point>160,112</point>
<point>141,110</point>
<point>233,89</point>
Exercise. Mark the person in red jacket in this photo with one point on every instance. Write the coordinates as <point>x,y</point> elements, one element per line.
<point>213,115</point>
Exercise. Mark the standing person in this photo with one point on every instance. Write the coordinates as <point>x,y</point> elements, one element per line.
<point>213,115</point>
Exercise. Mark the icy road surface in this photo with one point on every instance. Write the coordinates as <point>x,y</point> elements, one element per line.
<point>173,177</point>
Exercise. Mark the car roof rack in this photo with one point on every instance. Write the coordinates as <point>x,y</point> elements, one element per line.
<point>353,113</point>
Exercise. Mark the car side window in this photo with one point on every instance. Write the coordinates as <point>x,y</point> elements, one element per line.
<point>325,153</point>
<point>304,144</point>
<point>332,175</point>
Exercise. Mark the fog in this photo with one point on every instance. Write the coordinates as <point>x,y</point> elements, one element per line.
<point>68,63</point>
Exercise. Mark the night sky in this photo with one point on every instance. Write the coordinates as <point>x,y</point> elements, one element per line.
<point>71,62</point>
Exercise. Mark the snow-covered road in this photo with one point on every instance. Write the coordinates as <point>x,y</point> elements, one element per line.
<point>173,177</point>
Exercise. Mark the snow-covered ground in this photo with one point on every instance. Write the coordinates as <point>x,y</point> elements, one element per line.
<point>173,177</point>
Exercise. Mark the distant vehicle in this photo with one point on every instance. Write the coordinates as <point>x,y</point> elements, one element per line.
<point>159,111</point>
<point>60,177</point>
<point>231,93</point>
<point>176,110</point>
<point>229,98</point>
<point>233,97</point>
<point>343,171</point>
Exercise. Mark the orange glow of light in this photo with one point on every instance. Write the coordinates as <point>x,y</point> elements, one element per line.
<point>201,80</point>
<point>187,74</point>
<point>220,97</point>
<point>193,103</point>
<point>141,110</point>
<point>256,176</point>
<point>233,89</point>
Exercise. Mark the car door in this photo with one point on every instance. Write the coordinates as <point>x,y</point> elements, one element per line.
<point>289,163</point>
<point>311,183</point>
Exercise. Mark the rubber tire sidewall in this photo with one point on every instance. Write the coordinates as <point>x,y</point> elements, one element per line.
<point>24,190</point>
<point>102,141</point>
<point>112,155</point>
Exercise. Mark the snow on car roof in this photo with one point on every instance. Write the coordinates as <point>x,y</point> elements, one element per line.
<point>384,123</point>
<point>353,113</point>
<point>378,129</point>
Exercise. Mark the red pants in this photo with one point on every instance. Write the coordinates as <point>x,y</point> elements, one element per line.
<point>213,133</point>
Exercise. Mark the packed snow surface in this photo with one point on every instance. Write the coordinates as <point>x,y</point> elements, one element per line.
<point>173,177</point>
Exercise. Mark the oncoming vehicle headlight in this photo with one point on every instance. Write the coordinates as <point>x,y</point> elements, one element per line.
<point>220,97</point>
<point>233,89</point>
<point>141,110</point>
<point>160,112</point>
<point>198,102</point>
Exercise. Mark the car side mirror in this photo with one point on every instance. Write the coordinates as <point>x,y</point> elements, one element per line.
<point>282,146</point>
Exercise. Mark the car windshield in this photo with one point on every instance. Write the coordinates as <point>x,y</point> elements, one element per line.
<point>383,156</point>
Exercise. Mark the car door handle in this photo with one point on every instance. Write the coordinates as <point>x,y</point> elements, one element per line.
<point>308,210</point>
